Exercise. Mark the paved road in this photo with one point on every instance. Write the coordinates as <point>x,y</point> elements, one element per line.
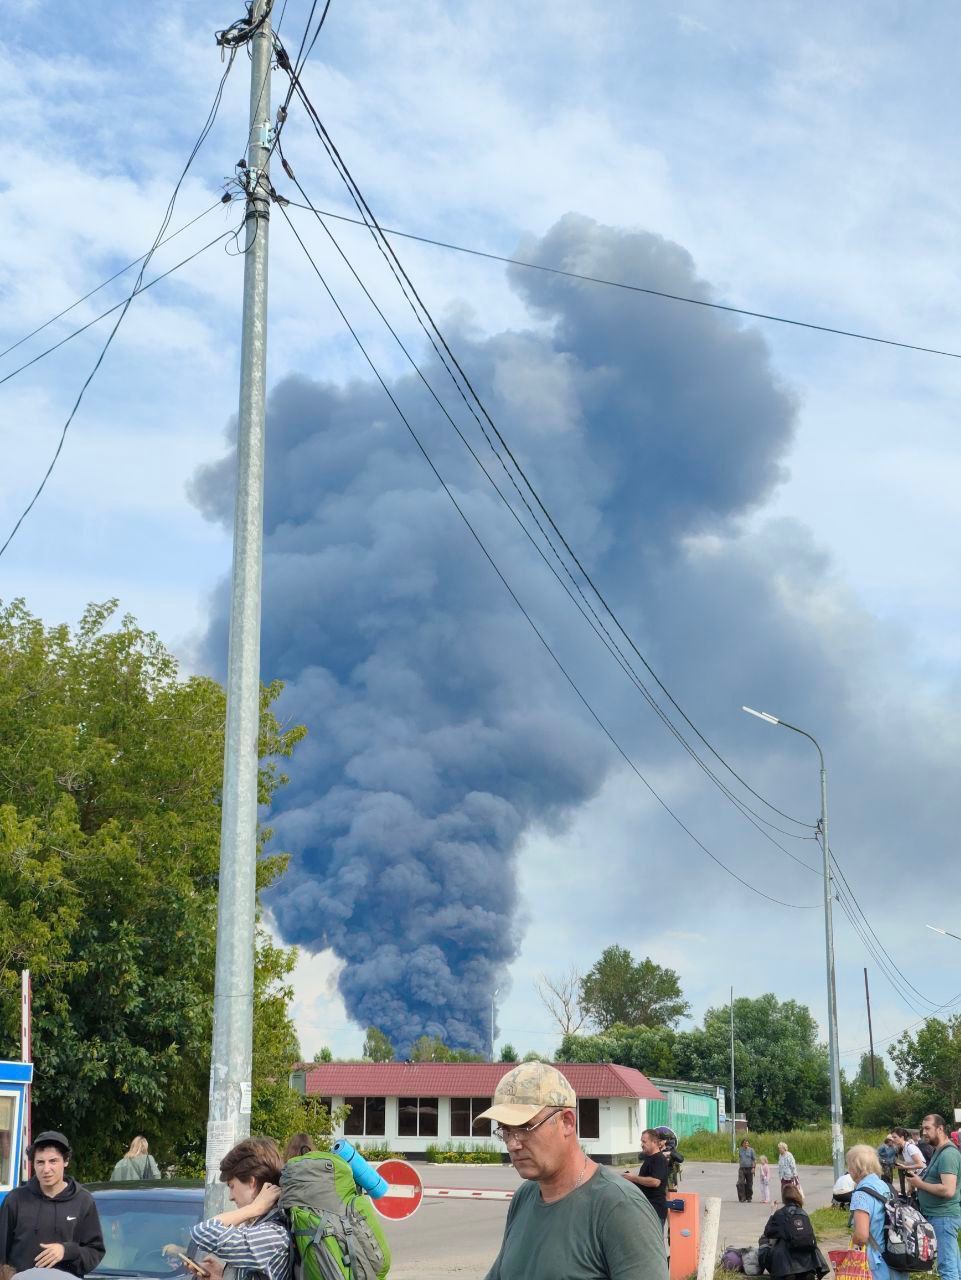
<point>460,1238</point>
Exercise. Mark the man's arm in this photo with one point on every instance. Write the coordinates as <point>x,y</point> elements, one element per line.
<point>88,1246</point>
<point>255,1247</point>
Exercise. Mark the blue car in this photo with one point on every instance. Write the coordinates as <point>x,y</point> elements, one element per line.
<point>138,1219</point>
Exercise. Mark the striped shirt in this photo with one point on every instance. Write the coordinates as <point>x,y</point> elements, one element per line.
<point>262,1245</point>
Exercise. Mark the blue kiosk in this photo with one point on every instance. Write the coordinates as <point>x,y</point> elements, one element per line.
<point>15,1079</point>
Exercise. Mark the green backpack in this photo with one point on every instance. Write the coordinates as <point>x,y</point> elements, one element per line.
<point>333,1227</point>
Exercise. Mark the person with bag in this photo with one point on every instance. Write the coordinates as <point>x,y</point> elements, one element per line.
<point>793,1247</point>
<point>868,1217</point>
<point>137,1164</point>
<point>939,1194</point>
<point>251,1237</point>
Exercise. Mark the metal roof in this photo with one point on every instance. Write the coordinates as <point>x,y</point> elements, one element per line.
<point>463,1079</point>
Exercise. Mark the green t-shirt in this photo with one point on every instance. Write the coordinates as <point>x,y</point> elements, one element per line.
<point>946,1159</point>
<point>603,1230</point>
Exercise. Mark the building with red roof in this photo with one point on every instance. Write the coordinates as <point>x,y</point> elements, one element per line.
<point>411,1106</point>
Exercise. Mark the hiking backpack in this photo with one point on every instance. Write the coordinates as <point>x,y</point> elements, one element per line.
<point>908,1242</point>
<point>800,1233</point>
<point>334,1231</point>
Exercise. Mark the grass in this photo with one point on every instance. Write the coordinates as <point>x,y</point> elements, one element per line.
<point>464,1153</point>
<point>808,1146</point>
<point>829,1222</point>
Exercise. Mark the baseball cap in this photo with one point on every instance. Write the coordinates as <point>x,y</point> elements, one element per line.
<point>526,1090</point>
<point>49,1138</point>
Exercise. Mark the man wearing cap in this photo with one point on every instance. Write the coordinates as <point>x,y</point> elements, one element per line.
<point>50,1221</point>
<point>572,1219</point>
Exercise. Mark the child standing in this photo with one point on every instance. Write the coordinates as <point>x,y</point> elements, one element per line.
<point>764,1177</point>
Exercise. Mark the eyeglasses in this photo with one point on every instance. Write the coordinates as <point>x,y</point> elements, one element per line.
<point>507,1132</point>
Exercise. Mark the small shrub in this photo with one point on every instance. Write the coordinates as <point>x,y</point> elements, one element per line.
<point>377,1151</point>
<point>462,1153</point>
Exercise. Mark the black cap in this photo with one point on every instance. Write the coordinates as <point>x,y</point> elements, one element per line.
<point>49,1138</point>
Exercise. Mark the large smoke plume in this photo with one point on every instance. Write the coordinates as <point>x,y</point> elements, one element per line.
<point>439,729</point>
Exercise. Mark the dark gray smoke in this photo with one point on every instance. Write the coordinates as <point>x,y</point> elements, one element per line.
<point>439,729</point>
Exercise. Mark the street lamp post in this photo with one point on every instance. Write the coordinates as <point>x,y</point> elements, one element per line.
<point>493,998</point>
<point>945,932</point>
<point>837,1131</point>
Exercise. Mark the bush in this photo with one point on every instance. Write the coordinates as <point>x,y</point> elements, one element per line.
<point>462,1153</point>
<point>808,1146</point>
<point>376,1151</point>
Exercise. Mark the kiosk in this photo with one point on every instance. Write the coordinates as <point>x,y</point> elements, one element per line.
<point>15,1079</point>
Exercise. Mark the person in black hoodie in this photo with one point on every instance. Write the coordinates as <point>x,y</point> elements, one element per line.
<point>50,1221</point>
<point>791,1247</point>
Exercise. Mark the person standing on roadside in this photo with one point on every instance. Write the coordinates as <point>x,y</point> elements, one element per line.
<point>867,1206</point>
<point>939,1194</point>
<point>786,1169</point>
<point>571,1219</point>
<point>50,1221</point>
<point>136,1164</point>
<point>746,1160</point>
<point>652,1176</point>
<point>909,1160</point>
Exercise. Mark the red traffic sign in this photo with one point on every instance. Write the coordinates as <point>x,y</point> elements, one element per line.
<point>404,1189</point>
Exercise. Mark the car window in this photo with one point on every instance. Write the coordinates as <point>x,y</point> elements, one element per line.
<point>136,1228</point>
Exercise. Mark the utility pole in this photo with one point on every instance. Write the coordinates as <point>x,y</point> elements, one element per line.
<point>493,998</point>
<point>867,996</point>
<point>834,1063</point>
<point>230,1061</point>
<point>733,1121</point>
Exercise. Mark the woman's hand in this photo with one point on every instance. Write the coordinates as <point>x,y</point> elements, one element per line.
<point>266,1198</point>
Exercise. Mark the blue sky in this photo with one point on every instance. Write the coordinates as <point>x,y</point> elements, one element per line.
<point>803,158</point>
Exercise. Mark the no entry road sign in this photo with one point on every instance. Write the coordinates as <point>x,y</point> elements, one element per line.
<point>404,1189</point>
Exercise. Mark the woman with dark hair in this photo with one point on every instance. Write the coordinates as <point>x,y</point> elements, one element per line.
<point>298,1145</point>
<point>792,1246</point>
<point>252,1236</point>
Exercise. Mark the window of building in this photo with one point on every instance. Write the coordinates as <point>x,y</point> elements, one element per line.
<point>367,1117</point>
<point>463,1118</point>
<point>589,1117</point>
<point>417,1117</point>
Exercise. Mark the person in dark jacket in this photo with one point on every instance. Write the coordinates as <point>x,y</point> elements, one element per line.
<point>792,1249</point>
<point>50,1221</point>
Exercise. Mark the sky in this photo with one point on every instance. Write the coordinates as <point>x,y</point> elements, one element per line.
<point>769,508</point>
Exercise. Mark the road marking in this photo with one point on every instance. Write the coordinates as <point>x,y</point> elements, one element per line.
<point>467,1193</point>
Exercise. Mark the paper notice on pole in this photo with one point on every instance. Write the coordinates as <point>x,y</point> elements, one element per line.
<point>220,1138</point>
<point>245,1098</point>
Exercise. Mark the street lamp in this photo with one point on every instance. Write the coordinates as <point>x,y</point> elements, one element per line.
<point>837,1133</point>
<point>947,932</point>
<point>493,998</point>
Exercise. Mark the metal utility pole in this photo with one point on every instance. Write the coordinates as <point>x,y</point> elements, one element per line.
<point>230,1061</point>
<point>837,1130</point>
<point>733,1120</point>
<point>867,997</point>
<point>493,998</point>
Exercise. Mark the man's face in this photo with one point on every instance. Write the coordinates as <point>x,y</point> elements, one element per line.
<point>49,1164</point>
<point>650,1144</point>
<point>540,1154</point>
<point>930,1132</point>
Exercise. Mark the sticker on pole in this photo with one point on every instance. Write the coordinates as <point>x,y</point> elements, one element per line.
<point>404,1189</point>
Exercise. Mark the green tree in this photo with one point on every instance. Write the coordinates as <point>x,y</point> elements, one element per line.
<point>929,1063</point>
<point>780,1069</point>
<point>509,1053</point>
<point>618,989</point>
<point>110,777</point>
<point>648,1049</point>
<point>433,1049</point>
<point>377,1046</point>
<point>323,1054</point>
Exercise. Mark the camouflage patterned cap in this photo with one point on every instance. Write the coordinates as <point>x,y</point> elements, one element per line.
<point>527,1090</point>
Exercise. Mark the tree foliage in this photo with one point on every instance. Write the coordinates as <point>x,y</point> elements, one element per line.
<point>377,1046</point>
<point>929,1064</point>
<point>433,1049</point>
<point>509,1053</point>
<point>618,989</point>
<point>647,1049</point>
<point>110,779</point>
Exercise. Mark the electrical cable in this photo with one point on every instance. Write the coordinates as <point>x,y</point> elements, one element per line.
<point>103,284</point>
<point>653,293</point>
<point>594,621</point>
<point>896,1035</point>
<point>383,243</point>
<point>533,625</point>
<point>164,224</point>
<point>75,333</point>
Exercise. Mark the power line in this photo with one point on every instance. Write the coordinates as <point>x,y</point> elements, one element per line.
<point>895,1035</point>
<point>533,625</point>
<point>103,284</point>
<point>75,333</point>
<point>652,293</point>
<point>382,243</point>
<point>164,224</point>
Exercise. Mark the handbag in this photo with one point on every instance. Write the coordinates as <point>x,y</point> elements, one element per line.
<point>850,1264</point>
